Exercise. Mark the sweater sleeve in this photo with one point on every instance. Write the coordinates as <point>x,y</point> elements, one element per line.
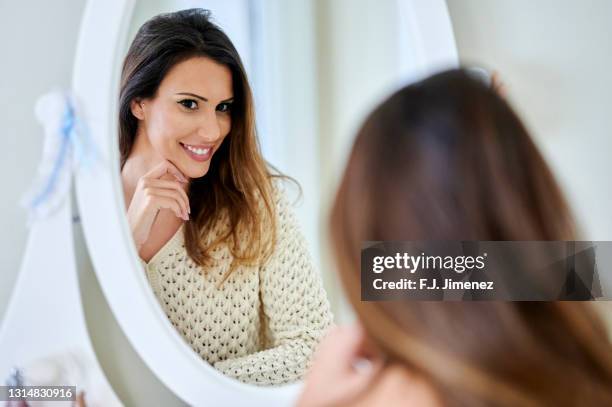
<point>295,306</point>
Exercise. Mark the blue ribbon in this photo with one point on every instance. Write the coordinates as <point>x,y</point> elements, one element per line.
<point>75,151</point>
<point>66,135</point>
<point>15,378</point>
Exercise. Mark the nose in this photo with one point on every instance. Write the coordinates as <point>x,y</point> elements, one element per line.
<point>209,129</point>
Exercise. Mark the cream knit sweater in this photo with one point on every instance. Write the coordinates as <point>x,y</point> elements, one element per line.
<point>263,323</point>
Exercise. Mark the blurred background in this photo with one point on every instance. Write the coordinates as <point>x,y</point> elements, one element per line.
<point>317,67</point>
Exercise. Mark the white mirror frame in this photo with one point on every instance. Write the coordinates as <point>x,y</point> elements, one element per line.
<point>100,200</point>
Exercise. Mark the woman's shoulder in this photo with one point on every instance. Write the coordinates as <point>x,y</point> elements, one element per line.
<point>278,213</point>
<point>284,194</point>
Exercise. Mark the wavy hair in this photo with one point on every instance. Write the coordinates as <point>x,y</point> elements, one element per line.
<point>448,159</point>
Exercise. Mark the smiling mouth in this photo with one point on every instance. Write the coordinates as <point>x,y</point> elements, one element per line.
<point>198,153</point>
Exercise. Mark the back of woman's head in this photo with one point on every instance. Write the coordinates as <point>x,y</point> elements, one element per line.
<point>448,159</point>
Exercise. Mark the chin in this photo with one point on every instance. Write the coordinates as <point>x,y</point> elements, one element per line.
<point>191,168</point>
<point>196,173</point>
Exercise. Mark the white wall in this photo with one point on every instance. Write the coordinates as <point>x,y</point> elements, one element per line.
<point>33,62</point>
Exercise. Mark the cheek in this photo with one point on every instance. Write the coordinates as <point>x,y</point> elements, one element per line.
<point>165,129</point>
<point>225,125</point>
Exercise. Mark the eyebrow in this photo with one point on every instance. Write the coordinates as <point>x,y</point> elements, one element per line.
<point>231,99</point>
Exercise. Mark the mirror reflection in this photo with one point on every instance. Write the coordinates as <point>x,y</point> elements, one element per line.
<point>210,218</point>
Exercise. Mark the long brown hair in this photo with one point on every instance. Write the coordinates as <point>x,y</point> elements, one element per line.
<point>448,159</point>
<point>236,193</point>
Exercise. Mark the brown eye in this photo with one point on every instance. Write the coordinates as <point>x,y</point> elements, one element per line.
<point>189,104</point>
<point>224,107</point>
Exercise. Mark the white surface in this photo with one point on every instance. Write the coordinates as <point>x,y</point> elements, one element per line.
<point>45,315</point>
<point>34,60</point>
<point>424,48</point>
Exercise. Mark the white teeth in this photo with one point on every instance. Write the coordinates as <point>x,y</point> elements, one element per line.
<point>199,151</point>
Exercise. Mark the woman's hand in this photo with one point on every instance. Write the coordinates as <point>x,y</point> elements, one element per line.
<point>80,400</point>
<point>160,188</point>
<point>497,85</point>
<point>344,365</point>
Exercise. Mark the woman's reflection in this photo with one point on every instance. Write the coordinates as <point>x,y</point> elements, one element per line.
<point>221,247</point>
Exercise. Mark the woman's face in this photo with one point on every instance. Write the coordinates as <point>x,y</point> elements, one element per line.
<point>189,116</point>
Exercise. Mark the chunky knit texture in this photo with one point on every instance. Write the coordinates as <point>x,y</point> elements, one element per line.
<point>262,324</point>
